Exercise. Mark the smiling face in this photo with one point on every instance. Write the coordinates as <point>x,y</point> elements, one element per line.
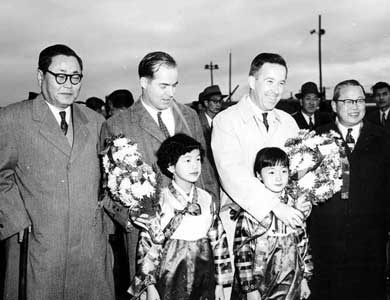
<point>187,169</point>
<point>160,90</point>
<point>275,178</point>
<point>267,85</point>
<point>60,95</point>
<point>349,115</point>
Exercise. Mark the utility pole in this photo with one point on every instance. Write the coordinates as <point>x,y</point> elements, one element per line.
<point>230,73</point>
<point>211,67</point>
<point>319,32</point>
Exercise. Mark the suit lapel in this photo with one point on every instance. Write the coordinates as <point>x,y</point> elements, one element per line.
<point>80,132</point>
<point>146,122</point>
<point>178,116</point>
<point>49,127</point>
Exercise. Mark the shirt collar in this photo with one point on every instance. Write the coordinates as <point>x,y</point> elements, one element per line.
<point>56,112</point>
<point>344,130</point>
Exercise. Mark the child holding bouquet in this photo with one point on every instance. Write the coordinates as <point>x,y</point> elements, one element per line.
<point>271,259</point>
<point>193,262</point>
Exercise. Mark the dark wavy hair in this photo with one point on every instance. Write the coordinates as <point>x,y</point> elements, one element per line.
<point>152,62</point>
<point>270,157</point>
<point>172,148</point>
<point>263,58</point>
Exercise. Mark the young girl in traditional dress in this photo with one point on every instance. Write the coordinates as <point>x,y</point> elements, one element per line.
<point>193,262</point>
<point>271,259</point>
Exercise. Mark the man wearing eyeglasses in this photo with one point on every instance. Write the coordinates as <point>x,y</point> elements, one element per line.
<point>49,182</point>
<point>348,231</point>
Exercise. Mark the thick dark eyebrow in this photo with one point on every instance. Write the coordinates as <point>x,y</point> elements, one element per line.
<point>62,71</point>
<point>167,84</point>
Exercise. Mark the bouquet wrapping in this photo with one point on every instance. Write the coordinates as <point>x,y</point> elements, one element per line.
<point>315,165</point>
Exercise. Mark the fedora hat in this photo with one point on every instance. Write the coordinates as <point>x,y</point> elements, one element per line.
<point>308,88</point>
<point>211,91</point>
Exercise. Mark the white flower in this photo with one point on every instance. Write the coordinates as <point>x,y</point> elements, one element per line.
<point>307,181</point>
<point>121,142</point>
<point>119,155</point>
<point>125,184</point>
<point>117,171</point>
<point>106,163</point>
<point>111,183</point>
<point>322,190</point>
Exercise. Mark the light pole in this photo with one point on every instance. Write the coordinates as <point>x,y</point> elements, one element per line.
<point>319,32</point>
<point>211,67</point>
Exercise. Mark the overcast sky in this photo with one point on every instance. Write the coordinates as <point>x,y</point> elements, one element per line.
<point>113,36</point>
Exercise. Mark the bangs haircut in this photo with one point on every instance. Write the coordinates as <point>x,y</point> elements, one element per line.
<point>172,148</point>
<point>270,157</point>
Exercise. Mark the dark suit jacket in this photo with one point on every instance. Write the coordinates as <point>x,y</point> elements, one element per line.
<point>207,134</point>
<point>348,235</point>
<point>137,124</point>
<point>375,117</point>
<point>320,118</point>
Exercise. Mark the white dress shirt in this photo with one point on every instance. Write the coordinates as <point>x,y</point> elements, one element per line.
<point>166,116</point>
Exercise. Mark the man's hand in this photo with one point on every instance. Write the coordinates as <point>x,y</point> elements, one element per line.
<point>254,295</point>
<point>142,221</point>
<point>304,205</point>
<point>288,215</point>
<point>21,234</point>
<point>305,290</point>
<point>152,293</point>
<point>219,294</point>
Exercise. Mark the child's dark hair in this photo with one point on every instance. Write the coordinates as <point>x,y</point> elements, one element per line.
<point>270,157</point>
<point>172,148</point>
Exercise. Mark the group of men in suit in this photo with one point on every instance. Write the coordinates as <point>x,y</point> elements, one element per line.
<point>50,174</point>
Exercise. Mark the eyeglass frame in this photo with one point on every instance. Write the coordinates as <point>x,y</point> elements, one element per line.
<point>66,77</point>
<point>350,102</point>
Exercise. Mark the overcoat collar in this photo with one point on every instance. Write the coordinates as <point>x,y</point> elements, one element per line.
<point>246,110</point>
<point>51,131</point>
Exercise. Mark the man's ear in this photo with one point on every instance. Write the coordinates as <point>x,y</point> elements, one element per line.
<point>334,106</point>
<point>40,76</point>
<point>301,102</point>
<point>144,82</point>
<point>252,82</point>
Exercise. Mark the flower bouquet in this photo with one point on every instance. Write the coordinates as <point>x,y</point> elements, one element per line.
<point>315,165</point>
<point>133,183</point>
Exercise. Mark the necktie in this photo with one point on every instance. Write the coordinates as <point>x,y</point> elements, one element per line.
<point>383,119</point>
<point>265,121</point>
<point>311,124</point>
<point>64,125</point>
<point>349,139</point>
<point>162,125</point>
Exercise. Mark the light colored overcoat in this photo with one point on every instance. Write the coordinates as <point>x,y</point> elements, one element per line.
<point>46,183</point>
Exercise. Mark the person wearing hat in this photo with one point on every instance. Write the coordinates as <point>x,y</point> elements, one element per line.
<point>212,98</point>
<point>309,117</point>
